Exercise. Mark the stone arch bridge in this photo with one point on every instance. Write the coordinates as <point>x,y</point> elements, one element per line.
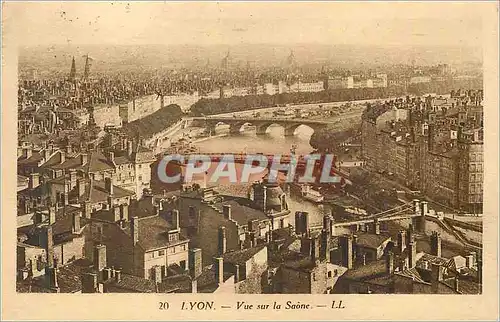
<point>261,124</point>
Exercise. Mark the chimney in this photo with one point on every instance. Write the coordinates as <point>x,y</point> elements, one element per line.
<point>83,158</point>
<point>412,252</point>
<point>416,206</point>
<point>194,286</point>
<point>89,283</point>
<point>455,284</point>
<point>80,183</point>
<point>237,276</point>
<point>470,260</point>
<point>175,219</point>
<point>253,239</point>
<point>346,248</point>
<point>222,241</point>
<point>195,262</point>
<point>52,215</point>
<point>111,157</point>
<point>117,212</point>
<point>124,212</point>
<point>436,244</point>
<point>87,209</point>
<point>389,263</point>
<point>253,225</point>
<point>376,227</point>
<point>423,212</point>
<point>157,274</point>
<point>436,276</point>
<point>129,148</point>
<point>76,223</point>
<point>34,180</point>
<point>118,275</point>
<point>134,230</point>
<point>62,157</point>
<point>108,185</point>
<point>111,202</point>
<point>27,152</point>
<point>325,245</point>
<point>226,211</point>
<point>327,224</point>
<point>315,250</point>
<point>100,260</point>
<point>219,270</point>
<point>401,241</point>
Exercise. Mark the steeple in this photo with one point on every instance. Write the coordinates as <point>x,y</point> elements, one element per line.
<point>72,73</point>
<point>88,61</point>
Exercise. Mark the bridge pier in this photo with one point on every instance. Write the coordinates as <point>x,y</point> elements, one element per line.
<point>261,130</point>
<point>290,131</point>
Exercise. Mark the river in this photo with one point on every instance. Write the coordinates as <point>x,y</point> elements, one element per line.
<point>272,142</point>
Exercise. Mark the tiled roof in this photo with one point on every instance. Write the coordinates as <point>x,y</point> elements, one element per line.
<point>242,214</point>
<point>368,271</point>
<point>153,233</point>
<point>134,284</point>
<point>369,240</point>
<point>240,257</point>
<point>99,193</point>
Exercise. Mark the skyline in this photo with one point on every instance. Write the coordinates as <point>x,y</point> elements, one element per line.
<point>327,23</point>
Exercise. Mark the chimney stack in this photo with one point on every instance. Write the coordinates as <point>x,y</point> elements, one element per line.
<point>389,263</point>
<point>108,185</point>
<point>401,241</point>
<point>175,219</point>
<point>219,270</point>
<point>52,215</point>
<point>412,252</point>
<point>325,245</point>
<point>129,148</point>
<point>416,206</point>
<point>301,222</point>
<point>80,184</point>
<point>157,274</point>
<point>222,241</point>
<point>195,262</point>
<point>226,211</point>
<point>346,248</point>
<point>111,157</point>
<point>436,244</point>
<point>194,286</point>
<point>34,180</point>
<point>327,224</point>
<point>89,283</point>
<point>100,260</point>
<point>72,179</point>
<point>83,158</point>
<point>118,275</point>
<point>76,223</point>
<point>376,227</point>
<point>124,212</point>
<point>237,276</point>
<point>134,230</point>
<point>86,209</point>
<point>437,276</point>
<point>423,213</point>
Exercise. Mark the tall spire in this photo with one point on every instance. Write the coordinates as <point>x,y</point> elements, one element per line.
<point>86,72</point>
<point>72,73</point>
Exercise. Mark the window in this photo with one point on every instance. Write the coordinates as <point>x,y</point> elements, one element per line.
<point>314,276</point>
<point>152,254</point>
<point>140,178</point>
<point>171,250</point>
<point>329,274</point>
<point>183,247</point>
<point>161,253</point>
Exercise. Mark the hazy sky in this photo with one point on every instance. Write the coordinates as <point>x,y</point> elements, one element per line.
<point>204,23</point>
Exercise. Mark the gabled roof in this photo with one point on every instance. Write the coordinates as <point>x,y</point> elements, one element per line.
<point>153,233</point>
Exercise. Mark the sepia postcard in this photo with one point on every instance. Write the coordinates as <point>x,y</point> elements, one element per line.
<point>250,160</point>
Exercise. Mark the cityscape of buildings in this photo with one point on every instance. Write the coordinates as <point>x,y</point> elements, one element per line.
<point>91,217</point>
